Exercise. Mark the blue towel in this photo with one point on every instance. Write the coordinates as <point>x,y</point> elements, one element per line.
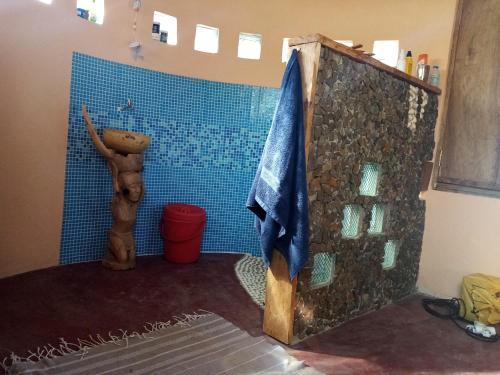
<point>279,191</point>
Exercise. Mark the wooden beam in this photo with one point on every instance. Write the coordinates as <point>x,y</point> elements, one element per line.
<point>280,290</point>
<point>364,58</point>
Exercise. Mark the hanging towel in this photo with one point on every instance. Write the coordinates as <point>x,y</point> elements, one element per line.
<point>279,191</point>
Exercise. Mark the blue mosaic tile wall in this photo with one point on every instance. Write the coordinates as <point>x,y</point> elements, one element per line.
<point>207,138</point>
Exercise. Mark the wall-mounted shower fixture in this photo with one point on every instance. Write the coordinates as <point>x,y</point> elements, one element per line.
<point>128,105</point>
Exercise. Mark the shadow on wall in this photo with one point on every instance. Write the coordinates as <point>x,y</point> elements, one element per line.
<point>207,138</point>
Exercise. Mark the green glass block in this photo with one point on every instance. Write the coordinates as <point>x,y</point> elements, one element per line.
<point>323,269</point>
<point>390,252</point>
<point>377,219</point>
<point>369,179</point>
<point>351,221</point>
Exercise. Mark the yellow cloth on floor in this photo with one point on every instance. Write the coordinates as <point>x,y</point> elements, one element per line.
<point>481,295</point>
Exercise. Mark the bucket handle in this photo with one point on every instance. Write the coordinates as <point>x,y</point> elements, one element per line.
<point>197,233</point>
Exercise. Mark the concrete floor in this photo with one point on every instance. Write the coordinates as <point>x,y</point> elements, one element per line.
<point>79,300</point>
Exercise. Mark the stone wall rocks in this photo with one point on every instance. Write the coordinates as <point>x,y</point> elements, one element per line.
<point>361,115</point>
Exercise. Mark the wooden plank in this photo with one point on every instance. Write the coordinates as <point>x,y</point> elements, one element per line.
<point>364,58</point>
<point>280,290</point>
<point>280,300</point>
<point>426,175</point>
<point>467,190</point>
<point>471,144</point>
<point>451,67</point>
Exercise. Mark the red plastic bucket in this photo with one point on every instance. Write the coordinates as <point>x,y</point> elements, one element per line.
<point>182,230</point>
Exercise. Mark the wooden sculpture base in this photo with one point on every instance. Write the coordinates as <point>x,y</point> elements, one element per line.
<point>114,260</point>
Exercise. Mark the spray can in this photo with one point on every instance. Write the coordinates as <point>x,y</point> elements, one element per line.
<point>409,63</point>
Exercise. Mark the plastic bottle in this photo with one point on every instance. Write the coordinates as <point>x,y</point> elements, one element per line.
<point>435,76</point>
<point>408,63</point>
<point>401,65</point>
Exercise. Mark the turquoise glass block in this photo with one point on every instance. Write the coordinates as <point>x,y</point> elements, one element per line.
<point>369,179</point>
<point>323,269</point>
<point>390,252</point>
<point>351,221</point>
<point>377,219</point>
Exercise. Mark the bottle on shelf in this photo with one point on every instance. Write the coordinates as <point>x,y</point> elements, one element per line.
<point>435,76</point>
<point>408,63</point>
<point>401,61</point>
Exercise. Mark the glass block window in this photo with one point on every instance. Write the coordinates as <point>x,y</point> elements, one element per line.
<point>91,10</point>
<point>390,253</point>
<point>352,221</point>
<point>377,219</point>
<point>370,175</point>
<point>323,269</point>
<point>249,46</point>
<point>206,39</point>
<point>164,28</point>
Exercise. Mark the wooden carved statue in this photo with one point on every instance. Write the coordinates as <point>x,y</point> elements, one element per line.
<point>124,153</point>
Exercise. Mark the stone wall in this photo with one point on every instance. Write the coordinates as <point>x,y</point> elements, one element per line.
<point>363,115</point>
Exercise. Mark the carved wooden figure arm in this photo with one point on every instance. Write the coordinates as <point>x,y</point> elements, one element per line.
<point>106,152</point>
<point>101,148</point>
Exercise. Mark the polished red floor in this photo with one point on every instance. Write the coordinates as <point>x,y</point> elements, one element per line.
<point>79,300</point>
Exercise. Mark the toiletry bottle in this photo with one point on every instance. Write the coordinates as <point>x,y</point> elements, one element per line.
<point>421,62</point>
<point>435,75</point>
<point>401,61</point>
<point>409,63</point>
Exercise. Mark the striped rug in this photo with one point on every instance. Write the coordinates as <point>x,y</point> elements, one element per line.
<point>204,345</point>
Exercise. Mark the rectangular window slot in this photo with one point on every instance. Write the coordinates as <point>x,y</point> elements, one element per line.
<point>386,51</point>
<point>206,39</point>
<point>323,270</point>
<point>370,175</point>
<point>249,46</point>
<point>348,43</point>
<point>164,28</point>
<point>377,220</point>
<point>284,51</point>
<point>391,249</point>
<point>91,10</point>
<point>351,222</point>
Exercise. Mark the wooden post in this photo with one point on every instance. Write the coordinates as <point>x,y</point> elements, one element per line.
<point>280,290</point>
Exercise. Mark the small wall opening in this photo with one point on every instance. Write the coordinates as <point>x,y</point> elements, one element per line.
<point>285,55</point>
<point>351,222</point>
<point>91,10</point>
<point>377,219</point>
<point>370,176</point>
<point>323,270</point>
<point>164,28</point>
<point>249,46</point>
<point>391,249</point>
<point>206,39</point>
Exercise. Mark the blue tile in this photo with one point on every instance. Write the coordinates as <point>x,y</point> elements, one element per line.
<point>207,138</point>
